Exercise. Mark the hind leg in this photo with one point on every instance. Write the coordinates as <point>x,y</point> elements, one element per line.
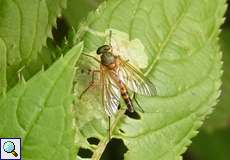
<point>134,97</point>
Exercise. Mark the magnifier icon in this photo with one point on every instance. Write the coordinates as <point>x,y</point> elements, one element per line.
<point>9,147</point>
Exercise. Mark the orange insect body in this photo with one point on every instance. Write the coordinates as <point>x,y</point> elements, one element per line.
<point>123,90</point>
<point>117,76</point>
<point>125,96</point>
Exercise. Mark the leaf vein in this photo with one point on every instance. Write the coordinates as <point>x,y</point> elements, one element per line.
<point>133,18</point>
<point>166,40</point>
<point>42,109</point>
<point>17,111</point>
<point>36,31</point>
<point>20,28</point>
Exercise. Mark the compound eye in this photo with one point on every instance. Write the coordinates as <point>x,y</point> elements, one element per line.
<point>103,49</point>
<point>98,51</point>
<point>108,48</point>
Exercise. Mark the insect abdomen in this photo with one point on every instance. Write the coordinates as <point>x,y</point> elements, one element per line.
<point>126,98</point>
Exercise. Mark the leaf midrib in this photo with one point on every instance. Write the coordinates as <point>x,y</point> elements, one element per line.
<point>168,37</point>
<point>173,122</point>
<point>44,106</point>
<point>20,30</point>
<point>103,143</point>
<point>36,31</point>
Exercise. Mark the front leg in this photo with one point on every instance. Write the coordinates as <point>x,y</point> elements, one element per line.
<point>91,83</point>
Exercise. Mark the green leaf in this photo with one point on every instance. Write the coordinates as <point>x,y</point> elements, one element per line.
<point>213,140</point>
<point>220,118</point>
<point>177,50</point>
<point>39,111</point>
<point>24,27</point>
<point>3,82</point>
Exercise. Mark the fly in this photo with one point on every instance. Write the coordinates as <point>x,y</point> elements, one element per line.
<point>117,76</point>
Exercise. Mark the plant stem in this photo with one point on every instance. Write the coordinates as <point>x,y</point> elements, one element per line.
<point>101,146</point>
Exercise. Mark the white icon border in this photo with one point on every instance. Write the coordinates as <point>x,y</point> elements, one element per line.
<point>20,147</point>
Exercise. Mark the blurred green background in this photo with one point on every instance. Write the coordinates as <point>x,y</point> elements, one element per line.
<point>213,140</point>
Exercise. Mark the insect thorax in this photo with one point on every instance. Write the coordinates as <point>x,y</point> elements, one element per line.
<point>107,58</point>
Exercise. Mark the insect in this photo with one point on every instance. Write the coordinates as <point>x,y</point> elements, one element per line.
<point>117,76</point>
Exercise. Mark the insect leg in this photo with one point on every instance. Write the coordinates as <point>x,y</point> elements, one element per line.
<point>91,57</point>
<point>90,84</point>
<point>109,128</point>
<point>134,97</point>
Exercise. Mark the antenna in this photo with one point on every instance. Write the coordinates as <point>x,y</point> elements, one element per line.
<point>110,37</point>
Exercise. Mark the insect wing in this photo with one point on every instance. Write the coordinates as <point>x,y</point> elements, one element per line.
<point>110,93</point>
<point>135,80</point>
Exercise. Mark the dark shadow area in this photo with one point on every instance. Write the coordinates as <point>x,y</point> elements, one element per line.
<point>93,140</point>
<point>114,150</point>
<point>189,156</point>
<point>85,153</point>
<point>227,16</point>
<point>133,115</point>
<point>60,31</point>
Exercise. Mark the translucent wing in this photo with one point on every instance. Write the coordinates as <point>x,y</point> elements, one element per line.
<point>135,80</point>
<point>110,93</point>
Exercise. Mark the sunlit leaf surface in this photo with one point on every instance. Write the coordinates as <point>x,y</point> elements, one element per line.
<point>183,61</point>
<point>40,112</point>
<point>24,28</point>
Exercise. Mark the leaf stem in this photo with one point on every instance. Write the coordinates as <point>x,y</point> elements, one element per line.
<point>102,145</point>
